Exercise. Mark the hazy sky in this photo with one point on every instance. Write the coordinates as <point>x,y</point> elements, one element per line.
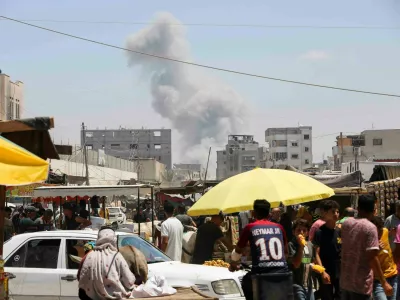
<point>75,81</point>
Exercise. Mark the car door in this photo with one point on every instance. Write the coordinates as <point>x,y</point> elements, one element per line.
<point>35,267</point>
<point>69,268</point>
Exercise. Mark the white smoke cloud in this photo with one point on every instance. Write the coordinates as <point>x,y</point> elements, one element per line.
<point>202,109</point>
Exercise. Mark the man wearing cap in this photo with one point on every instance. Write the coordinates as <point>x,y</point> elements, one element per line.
<point>27,223</point>
<point>71,220</point>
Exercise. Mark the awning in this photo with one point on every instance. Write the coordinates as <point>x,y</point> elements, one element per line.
<point>31,134</point>
<point>95,190</point>
<point>20,167</point>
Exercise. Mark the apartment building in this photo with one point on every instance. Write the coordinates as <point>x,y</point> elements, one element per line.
<point>11,98</point>
<point>131,143</point>
<point>289,146</point>
<point>369,145</point>
<point>241,154</point>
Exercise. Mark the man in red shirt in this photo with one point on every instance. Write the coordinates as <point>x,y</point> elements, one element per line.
<point>268,245</point>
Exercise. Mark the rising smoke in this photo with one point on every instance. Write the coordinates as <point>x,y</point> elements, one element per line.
<point>202,109</point>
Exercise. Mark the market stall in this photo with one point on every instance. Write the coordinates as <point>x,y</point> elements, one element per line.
<point>238,193</point>
<point>18,167</point>
<point>72,193</point>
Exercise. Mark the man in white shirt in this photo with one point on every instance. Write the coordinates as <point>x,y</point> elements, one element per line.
<point>171,234</point>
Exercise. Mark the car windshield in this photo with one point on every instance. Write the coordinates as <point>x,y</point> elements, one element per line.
<point>114,210</point>
<point>152,254</point>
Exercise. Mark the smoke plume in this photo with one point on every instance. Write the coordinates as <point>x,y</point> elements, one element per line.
<point>202,109</point>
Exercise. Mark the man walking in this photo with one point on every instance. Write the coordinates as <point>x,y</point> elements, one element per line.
<point>171,234</point>
<point>360,248</point>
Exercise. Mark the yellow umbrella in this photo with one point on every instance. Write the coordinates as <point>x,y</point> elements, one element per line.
<point>238,193</point>
<point>20,167</point>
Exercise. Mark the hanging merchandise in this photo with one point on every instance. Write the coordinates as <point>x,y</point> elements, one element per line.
<point>387,193</point>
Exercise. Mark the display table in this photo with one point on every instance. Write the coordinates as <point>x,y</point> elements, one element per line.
<point>191,293</point>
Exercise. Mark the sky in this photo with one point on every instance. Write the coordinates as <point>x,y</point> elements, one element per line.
<point>75,81</point>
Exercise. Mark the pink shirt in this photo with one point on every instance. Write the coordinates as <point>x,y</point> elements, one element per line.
<point>317,224</point>
<point>358,237</point>
<point>396,242</point>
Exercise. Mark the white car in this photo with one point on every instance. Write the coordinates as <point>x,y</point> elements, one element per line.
<point>41,268</point>
<point>116,215</point>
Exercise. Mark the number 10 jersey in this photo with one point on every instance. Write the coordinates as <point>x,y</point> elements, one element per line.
<point>267,243</point>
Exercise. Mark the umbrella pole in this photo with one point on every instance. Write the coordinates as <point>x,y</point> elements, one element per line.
<point>3,275</point>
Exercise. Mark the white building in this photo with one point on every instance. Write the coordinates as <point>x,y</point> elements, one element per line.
<point>143,169</point>
<point>290,146</point>
<point>377,145</point>
<point>241,154</point>
<point>11,98</point>
<point>365,167</point>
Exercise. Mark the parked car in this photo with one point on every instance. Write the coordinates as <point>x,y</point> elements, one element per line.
<point>116,215</point>
<point>41,266</point>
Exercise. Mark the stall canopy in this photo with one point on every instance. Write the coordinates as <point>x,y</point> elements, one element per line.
<point>19,166</point>
<point>31,134</point>
<point>90,191</point>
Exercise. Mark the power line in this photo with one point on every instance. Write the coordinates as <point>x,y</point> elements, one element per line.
<point>205,66</point>
<point>214,24</point>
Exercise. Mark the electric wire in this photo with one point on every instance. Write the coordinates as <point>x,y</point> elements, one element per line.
<point>205,66</point>
<point>213,24</point>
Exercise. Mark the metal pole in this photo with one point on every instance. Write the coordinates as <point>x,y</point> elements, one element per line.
<point>205,175</point>
<point>85,153</point>
<point>3,275</point>
<point>88,204</point>
<point>341,150</point>
<point>152,213</point>
<point>104,208</point>
<point>2,214</point>
<point>54,213</point>
<point>138,208</point>
<point>61,210</point>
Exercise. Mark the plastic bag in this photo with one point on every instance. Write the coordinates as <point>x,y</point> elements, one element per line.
<point>155,286</point>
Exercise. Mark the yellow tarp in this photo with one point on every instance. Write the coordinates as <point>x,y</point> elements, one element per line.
<point>19,166</point>
<point>238,193</point>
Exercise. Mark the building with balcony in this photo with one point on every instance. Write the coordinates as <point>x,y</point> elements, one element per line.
<point>11,98</point>
<point>289,146</point>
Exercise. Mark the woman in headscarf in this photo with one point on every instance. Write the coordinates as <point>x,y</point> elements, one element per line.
<point>104,273</point>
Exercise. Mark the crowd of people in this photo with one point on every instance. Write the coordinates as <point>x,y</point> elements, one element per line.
<point>36,218</point>
<point>353,257</point>
<point>358,254</point>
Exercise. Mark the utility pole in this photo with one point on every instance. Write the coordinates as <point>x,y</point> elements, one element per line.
<point>341,149</point>
<point>205,175</point>
<point>355,149</point>
<point>85,153</point>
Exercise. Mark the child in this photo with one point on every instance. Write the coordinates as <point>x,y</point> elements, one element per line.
<point>300,258</point>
